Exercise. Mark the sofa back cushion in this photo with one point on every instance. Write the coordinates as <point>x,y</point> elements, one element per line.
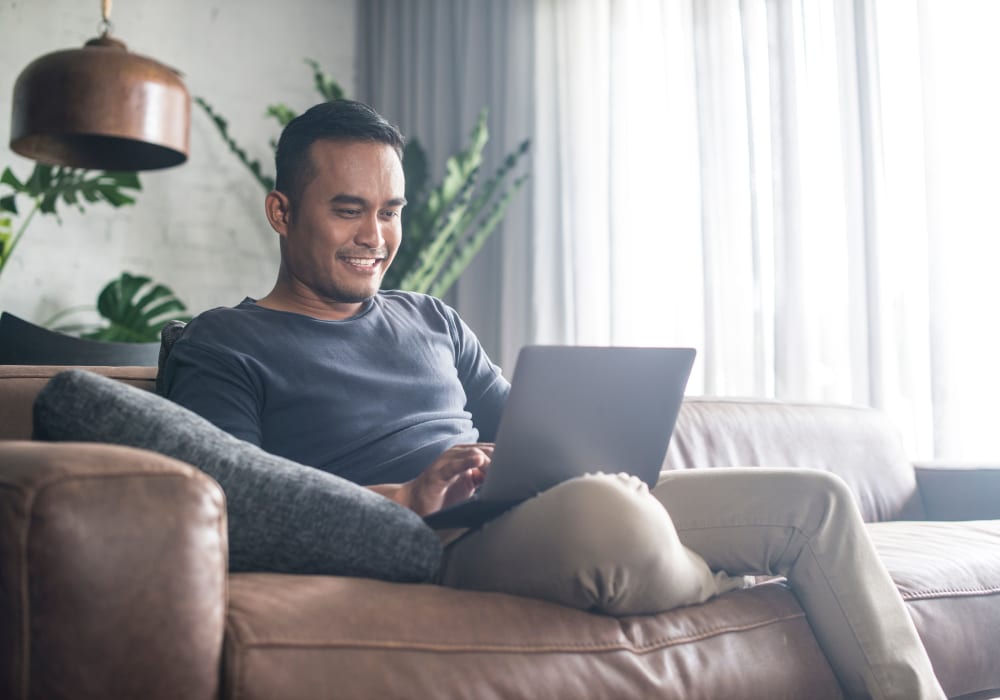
<point>20,384</point>
<point>858,444</point>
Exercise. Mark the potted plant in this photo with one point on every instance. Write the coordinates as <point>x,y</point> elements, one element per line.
<point>132,308</point>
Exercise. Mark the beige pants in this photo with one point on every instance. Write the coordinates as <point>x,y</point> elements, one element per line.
<point>602,543</point>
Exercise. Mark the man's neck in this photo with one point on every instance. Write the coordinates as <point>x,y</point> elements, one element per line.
<point>324,310</point>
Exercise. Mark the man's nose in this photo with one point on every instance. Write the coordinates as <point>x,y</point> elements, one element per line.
<point>369,233</point>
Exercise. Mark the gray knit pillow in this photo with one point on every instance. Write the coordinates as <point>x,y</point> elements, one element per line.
<point>283,516</point>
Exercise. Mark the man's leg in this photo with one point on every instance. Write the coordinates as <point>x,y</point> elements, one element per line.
<point>600,543</point>
<point>804,524</point>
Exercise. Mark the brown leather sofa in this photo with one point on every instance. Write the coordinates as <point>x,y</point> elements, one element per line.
<point>113,584</point>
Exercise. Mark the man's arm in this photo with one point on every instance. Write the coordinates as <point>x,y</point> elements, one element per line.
<point>485,387</point>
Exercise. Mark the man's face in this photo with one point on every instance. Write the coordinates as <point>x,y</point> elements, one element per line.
<point>345,230</point>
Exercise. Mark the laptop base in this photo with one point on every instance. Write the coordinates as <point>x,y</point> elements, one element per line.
<point>471,513</point>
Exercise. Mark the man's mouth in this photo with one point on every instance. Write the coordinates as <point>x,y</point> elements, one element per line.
<point>367,260</point>
<point>363,262</point>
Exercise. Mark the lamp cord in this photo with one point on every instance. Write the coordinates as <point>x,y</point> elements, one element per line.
<point>104,28</point>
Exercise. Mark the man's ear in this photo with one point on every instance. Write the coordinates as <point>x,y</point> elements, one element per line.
<point>278,209</point>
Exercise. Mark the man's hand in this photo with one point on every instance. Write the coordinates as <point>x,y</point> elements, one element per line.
<point>451,478</point>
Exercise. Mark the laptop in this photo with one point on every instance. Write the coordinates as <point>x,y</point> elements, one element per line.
<point>573,411</point>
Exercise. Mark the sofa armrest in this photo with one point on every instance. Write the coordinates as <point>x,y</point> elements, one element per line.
<point>959,492</point>
<point>112,574</point>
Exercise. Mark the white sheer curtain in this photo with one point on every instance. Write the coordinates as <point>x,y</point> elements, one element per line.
<point>717,176</point>
<point>959,60</point>
<point>789,186</point>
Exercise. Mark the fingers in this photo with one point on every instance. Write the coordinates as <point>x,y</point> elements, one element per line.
<point>463,458</point>
<point>452,476</point>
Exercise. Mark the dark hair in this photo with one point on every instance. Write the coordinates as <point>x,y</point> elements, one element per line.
<point>338,120</point>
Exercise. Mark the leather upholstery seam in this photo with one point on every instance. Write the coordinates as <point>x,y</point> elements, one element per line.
<point>769,403</point>
<point>655,645</point>
<point>57,479</point>
<point>951,592</point>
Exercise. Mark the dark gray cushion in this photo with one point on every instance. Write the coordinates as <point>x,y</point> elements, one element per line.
<point>283,516</point>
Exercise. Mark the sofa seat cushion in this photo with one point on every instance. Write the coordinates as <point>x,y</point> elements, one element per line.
<point>307,637</point>
<point>949,575</point>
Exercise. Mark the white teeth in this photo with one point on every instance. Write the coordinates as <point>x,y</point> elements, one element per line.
<point>364,262</point>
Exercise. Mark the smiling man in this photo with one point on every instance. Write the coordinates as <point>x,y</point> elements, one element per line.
<point>393,391</point>
<point>388,389</point>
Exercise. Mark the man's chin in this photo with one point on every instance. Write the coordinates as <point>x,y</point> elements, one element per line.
<point>351,296</point>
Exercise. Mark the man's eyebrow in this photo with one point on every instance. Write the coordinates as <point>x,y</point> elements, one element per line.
<point>349,199</point>
<point>362,202</point>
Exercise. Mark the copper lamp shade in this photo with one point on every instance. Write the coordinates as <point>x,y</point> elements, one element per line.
<point>101,107</point>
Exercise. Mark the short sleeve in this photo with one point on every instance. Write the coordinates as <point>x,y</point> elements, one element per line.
<point>486,388</point>
<point>217,386</point>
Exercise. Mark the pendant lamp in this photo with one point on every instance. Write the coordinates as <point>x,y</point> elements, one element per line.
<point>101,107</point>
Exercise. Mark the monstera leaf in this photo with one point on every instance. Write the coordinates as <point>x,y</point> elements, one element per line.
<point>134,309</point>
<point>50,185</point>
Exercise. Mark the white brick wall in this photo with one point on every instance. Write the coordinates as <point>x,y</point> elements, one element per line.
<point>198,227</point>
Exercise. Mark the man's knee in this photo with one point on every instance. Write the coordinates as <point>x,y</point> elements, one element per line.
<point>824,486</point>
<point>821,499</point>
<point>618,549</point>
<point>605,517</point>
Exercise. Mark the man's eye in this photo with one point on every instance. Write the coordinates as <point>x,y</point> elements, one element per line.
<point>391,213</point>
<point>349,212</point>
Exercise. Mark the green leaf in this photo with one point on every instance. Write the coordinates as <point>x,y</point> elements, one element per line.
<point>283,113</point>
<point>43,177</point>
<point>48,204</point>
<point>446,237</point>
<point>113,196</point>
<point>223,128</point>
<point>459,170</point>
<point>434,225</point>
<point>464,255</point>
<point>8,178</point>
<point>437,250</point>
<point>127,180</point>
<point>326,86</point>
<point>50,185</point>
<point>135,308</point>
<point>6,234</point>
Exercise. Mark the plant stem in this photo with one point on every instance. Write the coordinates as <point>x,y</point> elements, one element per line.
<point>20,232</point>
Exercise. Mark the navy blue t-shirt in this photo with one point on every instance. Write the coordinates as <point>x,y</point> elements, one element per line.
<point>374,398</point>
